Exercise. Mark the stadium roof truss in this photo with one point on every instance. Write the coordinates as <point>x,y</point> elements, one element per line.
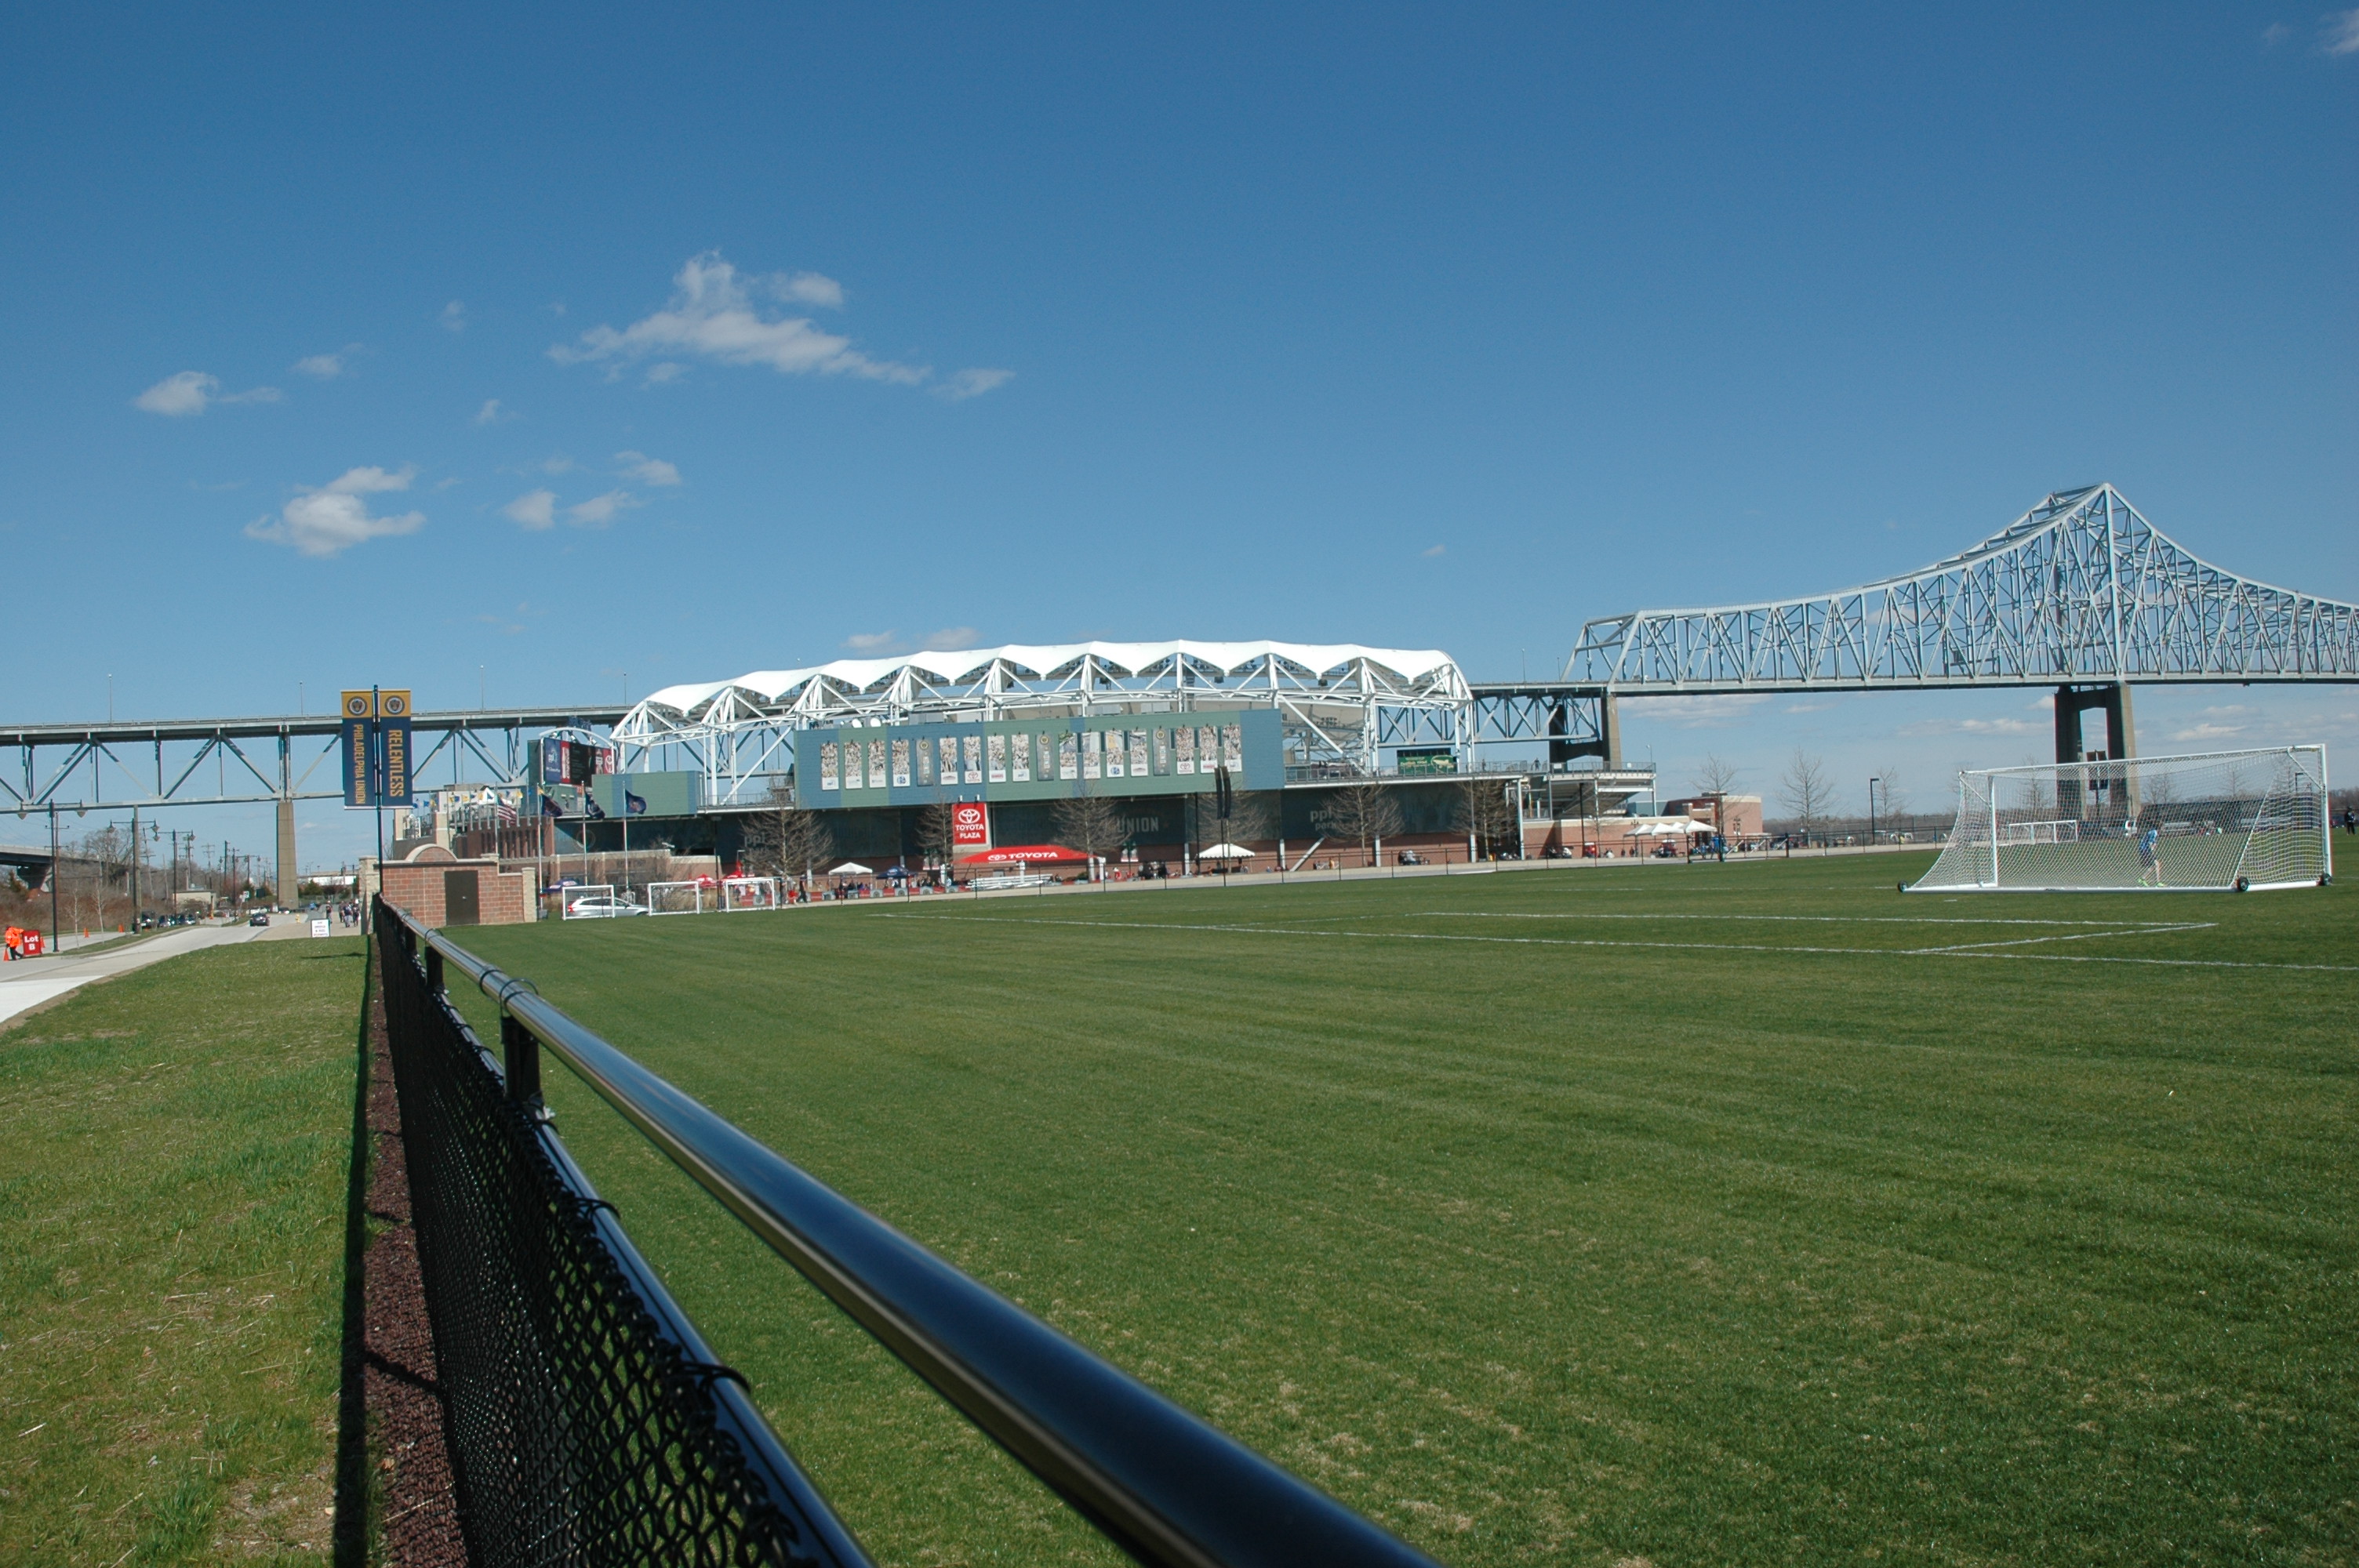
<point>1342,703</point>
<point>2080,589</point>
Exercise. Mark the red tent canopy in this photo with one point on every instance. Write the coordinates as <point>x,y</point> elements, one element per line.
<point>1029,855</point>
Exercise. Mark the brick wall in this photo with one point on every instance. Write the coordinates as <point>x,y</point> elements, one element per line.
<point>503,897</point>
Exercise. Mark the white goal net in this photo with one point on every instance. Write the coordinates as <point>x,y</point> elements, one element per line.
<point>749,893</point>
<point>681,898</point>
<point>2219,820</point>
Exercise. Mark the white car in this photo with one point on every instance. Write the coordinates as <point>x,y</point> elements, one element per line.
<point>600,906</point>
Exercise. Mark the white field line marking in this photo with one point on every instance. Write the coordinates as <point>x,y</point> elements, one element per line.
<point>2143,929</point>
<point>1676,946</point>
<point>1798,919</point>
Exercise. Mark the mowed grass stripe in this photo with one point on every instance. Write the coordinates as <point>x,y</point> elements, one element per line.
<point>1549,1253</point>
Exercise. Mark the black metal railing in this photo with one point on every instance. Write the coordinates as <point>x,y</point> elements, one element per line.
<point>1164,1485</point>
<point>586,1420</point>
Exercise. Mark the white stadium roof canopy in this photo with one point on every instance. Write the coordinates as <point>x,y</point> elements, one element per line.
<point>1427,671</point>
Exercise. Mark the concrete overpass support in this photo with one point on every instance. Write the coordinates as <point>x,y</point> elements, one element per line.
<point>2072,701</point>
<point>1608,744</point>
<point>284,885</point>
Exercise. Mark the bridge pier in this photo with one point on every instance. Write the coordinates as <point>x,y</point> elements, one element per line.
<point>287,881</point>
<point>2072,701</point>
<point>1608,744</point>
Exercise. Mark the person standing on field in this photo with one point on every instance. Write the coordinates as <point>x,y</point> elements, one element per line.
<point>2150,858</point>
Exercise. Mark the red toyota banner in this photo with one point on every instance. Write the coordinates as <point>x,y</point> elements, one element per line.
<point>970,823</point>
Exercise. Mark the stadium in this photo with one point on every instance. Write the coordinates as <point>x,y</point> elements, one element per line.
<point>1300,733</point>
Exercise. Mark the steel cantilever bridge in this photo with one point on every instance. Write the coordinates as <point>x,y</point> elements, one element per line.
<point>2081,593</point>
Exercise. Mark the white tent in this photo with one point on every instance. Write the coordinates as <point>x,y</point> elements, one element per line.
<point>852,869</point>
<point>1226,852</point>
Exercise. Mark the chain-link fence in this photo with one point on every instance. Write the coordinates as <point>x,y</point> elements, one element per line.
<point>587,1421</point>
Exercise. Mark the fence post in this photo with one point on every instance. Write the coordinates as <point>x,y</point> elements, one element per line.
<point>433,971</point>
<point>523,1052</point>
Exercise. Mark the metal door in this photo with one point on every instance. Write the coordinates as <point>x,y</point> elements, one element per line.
<point>461,904</point>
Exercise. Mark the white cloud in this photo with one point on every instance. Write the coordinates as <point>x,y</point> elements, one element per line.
<point>600,510</point>
<point>2342,35</point>
<point>951,639</point>
<point>810,288</point>
<point>454,317</point>
<point>871,641</point>
<point>190,391</point>
<point>647,469</point>
<point>560,463</point>
<point>333,518</point>
<point>2274,34</point>
<point>327,367</point>
<point>712,316</point>
<point>491,413</point>
<point>967,384</point>
<point>2208,733</point>
<point>535,510</point>
<point>1974,727</point>
<point>1693,712</point>
<point>665,370</point>
<point>1436,550</point>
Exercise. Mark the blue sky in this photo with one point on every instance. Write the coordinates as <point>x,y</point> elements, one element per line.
<point>609,348</point>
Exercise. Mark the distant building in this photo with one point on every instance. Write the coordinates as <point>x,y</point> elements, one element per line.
<point>1736,818</point>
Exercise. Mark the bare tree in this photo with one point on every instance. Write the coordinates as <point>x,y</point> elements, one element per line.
<point>1895,790</point>
<point>1363,813</point>
<point>1486,809</point>
<point>1092,824</point>
<point>938,833</point>
<point>784,839</point>
<point>1716,775</point>
<point>1805,789</point>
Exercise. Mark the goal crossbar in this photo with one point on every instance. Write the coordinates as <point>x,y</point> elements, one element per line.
<point>2246,820</point>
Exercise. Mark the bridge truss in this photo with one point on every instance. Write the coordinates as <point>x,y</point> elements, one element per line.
<point>2081,588</point>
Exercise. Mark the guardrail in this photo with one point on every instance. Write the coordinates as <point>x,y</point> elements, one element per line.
<point>1165,1487</point>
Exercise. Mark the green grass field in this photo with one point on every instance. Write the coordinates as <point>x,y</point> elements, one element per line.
<point>172,1179</point>
<point>1689,1215</point>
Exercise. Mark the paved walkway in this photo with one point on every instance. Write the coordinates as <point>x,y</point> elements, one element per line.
<point>28,982</point>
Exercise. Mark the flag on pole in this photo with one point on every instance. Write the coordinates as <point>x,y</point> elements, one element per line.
<point>634,804</point>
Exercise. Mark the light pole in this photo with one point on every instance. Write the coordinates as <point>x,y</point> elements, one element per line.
<point>1871,811</point>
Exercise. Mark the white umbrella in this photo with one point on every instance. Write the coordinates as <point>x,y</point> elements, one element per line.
<point>852,869</point>
<point>1226,852</point>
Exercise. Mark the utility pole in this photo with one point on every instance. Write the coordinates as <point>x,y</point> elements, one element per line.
<point>1871,812</point>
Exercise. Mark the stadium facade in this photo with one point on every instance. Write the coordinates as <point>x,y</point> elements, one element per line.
<point>1157,727</point>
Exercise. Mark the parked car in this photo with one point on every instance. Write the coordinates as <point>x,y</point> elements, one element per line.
<point>601,906</point>
<point>259,917</point>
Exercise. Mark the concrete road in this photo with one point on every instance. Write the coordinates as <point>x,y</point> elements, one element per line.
<point>28,982</point>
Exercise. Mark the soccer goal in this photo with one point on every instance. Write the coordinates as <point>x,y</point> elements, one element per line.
<point>594,902</point>
<point>2220,821</point>
<point>749,893</point>
<point>679,898</point>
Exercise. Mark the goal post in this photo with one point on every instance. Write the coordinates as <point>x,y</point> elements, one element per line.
<point>597,896</point>
<point>749,893</point>
<point>678,898</point>
<point>2244,821</point>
